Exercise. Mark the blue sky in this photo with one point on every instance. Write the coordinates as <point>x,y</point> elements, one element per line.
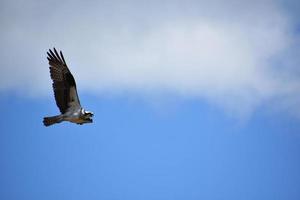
<point>132,152</point>
<point>192,100</point>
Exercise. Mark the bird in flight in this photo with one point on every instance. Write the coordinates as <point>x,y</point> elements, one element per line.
<point>65,93</point>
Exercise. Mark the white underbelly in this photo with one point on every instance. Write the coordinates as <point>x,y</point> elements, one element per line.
<point>73,116</point>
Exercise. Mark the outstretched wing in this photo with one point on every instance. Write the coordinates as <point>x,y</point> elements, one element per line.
<point>64,85</point>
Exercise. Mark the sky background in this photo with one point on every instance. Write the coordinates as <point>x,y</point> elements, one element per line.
<point>192,100</point>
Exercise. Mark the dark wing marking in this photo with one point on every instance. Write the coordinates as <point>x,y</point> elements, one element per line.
<point>64,85</point>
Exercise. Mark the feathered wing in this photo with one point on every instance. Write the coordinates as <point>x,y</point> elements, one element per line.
<point>64,85</point>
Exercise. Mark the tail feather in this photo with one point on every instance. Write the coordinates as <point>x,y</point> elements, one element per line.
<point>48,121</point>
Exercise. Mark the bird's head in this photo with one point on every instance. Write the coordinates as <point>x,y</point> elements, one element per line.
<point>87,115</point>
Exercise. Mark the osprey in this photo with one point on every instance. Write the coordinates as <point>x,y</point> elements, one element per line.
<point>65,93</point>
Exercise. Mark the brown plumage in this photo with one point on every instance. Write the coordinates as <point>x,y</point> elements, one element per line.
<point>63,81</point>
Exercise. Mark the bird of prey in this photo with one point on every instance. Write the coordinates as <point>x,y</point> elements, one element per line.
<point>65,93</point>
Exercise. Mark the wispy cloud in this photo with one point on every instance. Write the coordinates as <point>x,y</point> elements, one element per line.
<point>237,54</point>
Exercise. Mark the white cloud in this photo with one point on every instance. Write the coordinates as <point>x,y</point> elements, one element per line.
<point>232,53</point>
